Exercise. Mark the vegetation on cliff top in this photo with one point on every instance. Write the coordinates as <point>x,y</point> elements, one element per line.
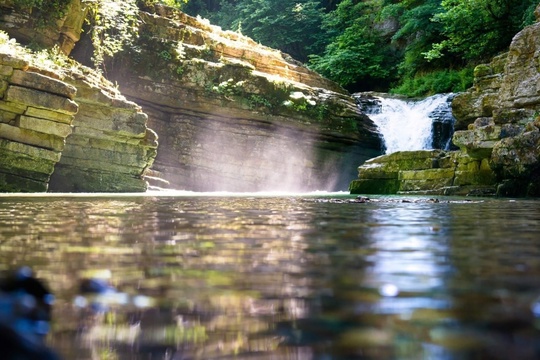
<point>412,47</point>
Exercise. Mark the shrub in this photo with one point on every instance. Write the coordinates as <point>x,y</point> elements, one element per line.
<point>441,81</point>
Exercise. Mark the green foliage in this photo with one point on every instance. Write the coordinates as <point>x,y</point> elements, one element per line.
<point>358,50</point>
<point>293,27</point>
<point>257,101</point>
<point>436,82</point>
<point>147,4</point>
<point>416,34</point>
<point>229,88</point>
<point>290,26</point>
<point>114,27</point>
<point>165,55</point>
<point>45,12</point>
<point>478,29</point>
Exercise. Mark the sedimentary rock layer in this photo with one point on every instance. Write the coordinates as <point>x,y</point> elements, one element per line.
<point>427,172</point>
<point>36,113</point>
<point>234,115</point>
<point>110,148</point>
<point>69,132</point>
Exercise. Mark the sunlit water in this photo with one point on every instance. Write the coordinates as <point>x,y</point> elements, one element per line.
<point>407,125</point>
<point>285,277</point>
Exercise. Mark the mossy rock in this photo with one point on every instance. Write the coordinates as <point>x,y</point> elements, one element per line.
<point>374,186</point>
<point>482,70</point>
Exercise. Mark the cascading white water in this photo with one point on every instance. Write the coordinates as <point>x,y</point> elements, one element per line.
<point>406,125</point>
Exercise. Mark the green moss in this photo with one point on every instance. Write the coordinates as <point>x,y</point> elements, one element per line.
<point>257,101</point>
<point>374,186</point>
<point>482,70</point>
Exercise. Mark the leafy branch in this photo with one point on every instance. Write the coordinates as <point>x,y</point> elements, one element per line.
<point>114,26</point>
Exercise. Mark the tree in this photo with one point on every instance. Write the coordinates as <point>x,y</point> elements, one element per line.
<point>291,26</point>
<point>358,55</point>
<point>416,34</point>
<point>478,29</point>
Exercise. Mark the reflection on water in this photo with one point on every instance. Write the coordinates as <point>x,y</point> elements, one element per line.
<point>289,277</point>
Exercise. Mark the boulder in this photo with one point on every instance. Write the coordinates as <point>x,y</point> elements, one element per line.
<point>478,141</point>
<point>483,97</point>
<point>425,172</point>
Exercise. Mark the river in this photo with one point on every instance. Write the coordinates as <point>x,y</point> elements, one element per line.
<point>315,276</point>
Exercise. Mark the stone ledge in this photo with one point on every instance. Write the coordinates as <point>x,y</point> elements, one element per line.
<point>31,137</point>
<point>40,99</point>
<point>43,126</point>
<point>41,82</point>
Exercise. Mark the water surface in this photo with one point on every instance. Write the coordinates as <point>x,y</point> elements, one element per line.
<point>285,277</point>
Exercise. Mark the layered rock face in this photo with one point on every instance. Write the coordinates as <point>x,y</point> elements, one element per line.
<point>234,115</point>
<point>66,128</point>
<point>69,132</point>
<point>111,148</point>
<point>36,115</point>
<point>507,99</point>
<point>231,114</point>
<point>425,172</point>
<point>498,133</point>
<point>64,32</point>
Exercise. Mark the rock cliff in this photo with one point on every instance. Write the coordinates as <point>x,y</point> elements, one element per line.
<point>498,133</point>
<point>230,114</point>
<point>67,129</point>
<point>111,147</point>
<point>234,115</point>
<point>36,114</point>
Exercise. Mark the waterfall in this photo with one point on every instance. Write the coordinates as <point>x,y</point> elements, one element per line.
<point>411,124</point>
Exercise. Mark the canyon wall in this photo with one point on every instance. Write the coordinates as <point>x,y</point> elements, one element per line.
<point>64,127</point>
<point>230,114</point>
<point>234,115</point>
